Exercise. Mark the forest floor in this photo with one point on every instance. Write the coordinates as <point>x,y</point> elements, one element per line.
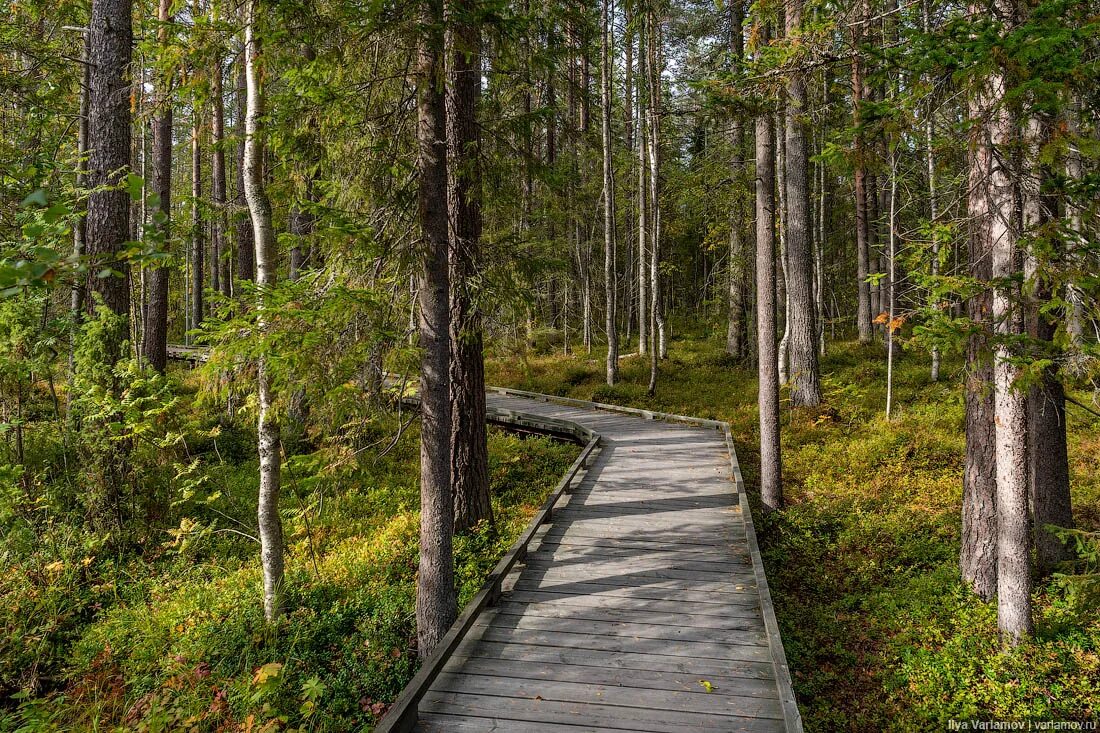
<point>169,635</point>
<point>879,631</point>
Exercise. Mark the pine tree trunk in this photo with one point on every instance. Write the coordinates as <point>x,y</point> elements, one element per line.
<point>155,333</point>
<point>930,164</point>
<point>610,273</point>
<point>263,233</point>
<point>1048,459</point>
<point>644,310</point>
<point>658,330</point>
<point>863,248</point>
<point>469,447</point>
<point>771,472</point>
<point>978,556</point>
<point>1010,404</point>
<point>737,297</point>
<point>197,223</point>
<point>220,265</point>
<point>805,373</point>
<point>436,607</point>
<point>108,220</point>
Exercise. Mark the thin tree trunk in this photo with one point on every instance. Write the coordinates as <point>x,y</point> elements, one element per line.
<point>771,462</point>
<point>155,333</point>
<point>610,273</point>
<point>805,373</point>
<point>197,223</point>
<point>783,294</point>
<point>930,164</point>
<point>436,607</point>
<point>737,326</point>
<point>1048,460</point>
<point>220,265</point>
<point>644,310</point>
<point>657,320</point>
<point>246,246</point>
<point>891,238</point>
<point>270,523</point>
<point>863,249</point>
<point>469,446</point>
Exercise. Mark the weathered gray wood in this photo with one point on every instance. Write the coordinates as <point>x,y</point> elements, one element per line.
<point>610,662</point>
<point>685,701</point>
<point>639,720</point>
<point>668,647</point>
<point>745,633</point>
<point>546,599</point>
<point>637,679</point>
<point>750,619</point>
<point>441,723</point>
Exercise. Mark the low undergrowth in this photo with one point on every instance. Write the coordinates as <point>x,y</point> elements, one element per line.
<point>879,631</point>
<point>169,635</point>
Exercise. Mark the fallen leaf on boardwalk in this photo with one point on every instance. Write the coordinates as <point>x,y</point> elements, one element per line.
<point>707,685</point>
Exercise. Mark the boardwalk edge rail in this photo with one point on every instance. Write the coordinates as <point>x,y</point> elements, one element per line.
<point>402,715</point>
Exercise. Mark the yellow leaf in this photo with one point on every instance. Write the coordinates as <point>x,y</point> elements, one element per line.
<point>267,672</point>
<point>707,685</point>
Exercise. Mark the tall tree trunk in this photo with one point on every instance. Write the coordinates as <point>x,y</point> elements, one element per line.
<point>155,333</point>
<point>783,302</point>
<point>644,310</point>
<point>805,373</point>
<point>1048,460</point>
<point>78,294</point>
<point>263,233</point>
<point>737,332</point>
<point>1010,404</point>
<point>930,164</point>
<point>469,447</point>
<point>107,225</point>
<point>771,461</point>
<point>436,605</point>
<point>220,265</point>
<point>197,219</point>
<point>610,273</point>
<point>246,246</point>
<point>657,320</point>
<point>978,556</point>
<point>863,248</point>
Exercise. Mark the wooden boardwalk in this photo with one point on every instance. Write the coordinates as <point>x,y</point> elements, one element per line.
<point>642,606</point>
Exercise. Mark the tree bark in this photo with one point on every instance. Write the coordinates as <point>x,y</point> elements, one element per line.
<point>263,233</point>
<point>197,223</point>
<point>108,220</point>
<point>863,267</point>
<point>436,605</point>
<point>155,333</point>
<point>643,209</point>
<point>469,447</point>
<point>221,264</point>
<point>771,465</point>
<point>737,332</point>
<point>610,271</point>
<point>805,373</point>
<point>1048,459</point>
<point>1010,404</point>
<point>246,246</point>
<point>978,556</point>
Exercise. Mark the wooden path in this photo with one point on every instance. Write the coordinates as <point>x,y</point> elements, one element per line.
<point>642,606</point>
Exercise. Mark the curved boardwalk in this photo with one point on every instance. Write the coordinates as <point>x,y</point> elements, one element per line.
<point>641,607</point>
